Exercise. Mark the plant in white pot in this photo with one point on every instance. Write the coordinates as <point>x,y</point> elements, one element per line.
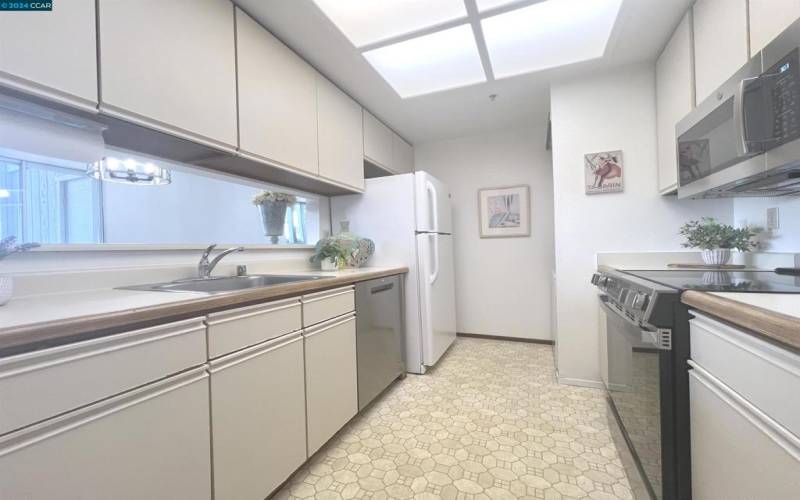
<point>273,205</point>
<point>8,246</point>
<point>717,240</point>
<point>330,254</point>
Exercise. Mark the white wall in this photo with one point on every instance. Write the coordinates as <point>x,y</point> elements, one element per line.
<point>603,112</point>
<point>502,284</point>
<point>753,211</point>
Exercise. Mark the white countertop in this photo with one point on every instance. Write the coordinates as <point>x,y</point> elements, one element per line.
<point>783,303</point>
<point>67,305</point>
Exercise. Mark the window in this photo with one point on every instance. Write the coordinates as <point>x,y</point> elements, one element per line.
<point>55,202</point>
<point>49,203</point>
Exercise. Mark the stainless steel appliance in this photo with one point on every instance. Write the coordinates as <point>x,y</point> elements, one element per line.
<point>379,336</point>
<point>644,354</point>
<point>744,139</point>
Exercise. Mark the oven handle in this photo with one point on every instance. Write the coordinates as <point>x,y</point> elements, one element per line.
<point>660,339</point>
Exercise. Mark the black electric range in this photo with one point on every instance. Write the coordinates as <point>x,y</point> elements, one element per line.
<point>644,356</point>
<point>722,281</point>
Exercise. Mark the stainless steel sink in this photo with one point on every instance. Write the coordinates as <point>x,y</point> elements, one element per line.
<point>222,284</point>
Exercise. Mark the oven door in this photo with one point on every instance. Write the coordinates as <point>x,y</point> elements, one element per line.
<point>635,367</point>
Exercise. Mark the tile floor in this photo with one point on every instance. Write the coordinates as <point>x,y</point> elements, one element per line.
<point>489,422</point>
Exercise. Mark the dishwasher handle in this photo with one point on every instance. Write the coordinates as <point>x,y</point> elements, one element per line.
<point>381,288</point>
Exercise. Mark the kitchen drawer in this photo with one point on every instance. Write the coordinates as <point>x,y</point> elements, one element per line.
<point>232,330</point>
<point>150,443</point>
<point>42,384</point>
<point>737,451</point>
<point>764,374</point>
<point>322,306</point>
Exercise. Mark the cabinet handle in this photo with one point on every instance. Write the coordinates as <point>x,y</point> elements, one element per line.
<point>329,325</point>
<point>382,288</point>
<point>327,295</point>
<point>253,352</point>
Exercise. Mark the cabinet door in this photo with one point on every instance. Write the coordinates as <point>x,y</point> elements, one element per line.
<point>402,155</point>
<point>674,99</point>
<point>720,42</point>
<point>377,142</point>
<point>52,54</point>
<point>768,18</point>
<point>170,66</point>
<point>331,383</point>
<point>258,418</point>
<point>341,135</point>
<point>148,443</point>
<point>277,99</point>
<point>737,452</point>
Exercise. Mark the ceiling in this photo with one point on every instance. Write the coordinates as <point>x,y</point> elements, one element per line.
<point>641,29</point>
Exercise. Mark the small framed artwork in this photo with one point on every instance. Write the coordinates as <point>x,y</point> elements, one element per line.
<point>504,212</point>
<point>603,172</point>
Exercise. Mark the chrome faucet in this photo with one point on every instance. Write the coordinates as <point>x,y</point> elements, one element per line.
<point>204,267</point>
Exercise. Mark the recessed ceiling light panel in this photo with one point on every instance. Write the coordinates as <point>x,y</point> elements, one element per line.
<point>484,5</point>
<point>549,34</point>
<point>365,22</point>
<point>442,60</point>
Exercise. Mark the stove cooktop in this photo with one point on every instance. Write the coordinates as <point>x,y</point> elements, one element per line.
<point>723,281</point>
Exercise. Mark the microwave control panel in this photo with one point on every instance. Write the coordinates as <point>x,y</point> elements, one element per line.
<point>784,86</point>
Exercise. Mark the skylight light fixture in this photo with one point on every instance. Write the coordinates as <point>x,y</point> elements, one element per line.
<point>548,34</point>
<point>365,22</point>
<point>441,60</point>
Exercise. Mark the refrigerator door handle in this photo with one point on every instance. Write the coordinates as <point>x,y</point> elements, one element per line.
<point>434,206</point>
<point>435,274</point>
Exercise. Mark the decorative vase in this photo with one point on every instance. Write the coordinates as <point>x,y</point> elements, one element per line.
<point>273,218</point>
<point>6,289</point>
<point>329,264</point>
<point>358,249</point>
<point>717,278</point>
<point>717,256</point>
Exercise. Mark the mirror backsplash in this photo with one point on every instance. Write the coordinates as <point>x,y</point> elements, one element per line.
<point>54,202</point>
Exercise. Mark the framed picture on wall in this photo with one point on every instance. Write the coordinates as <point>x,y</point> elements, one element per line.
<point>504,212</point>
<point>604,172</point>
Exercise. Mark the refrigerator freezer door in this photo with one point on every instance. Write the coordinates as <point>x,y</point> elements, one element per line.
<point>437,295</point>
<point>432,204</point>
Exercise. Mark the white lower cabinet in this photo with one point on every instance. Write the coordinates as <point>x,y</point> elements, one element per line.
<point>738,453</point>
<point>258,418</point>
<point>745,431</point>
<point>148,443</point>
<point>331,380</point>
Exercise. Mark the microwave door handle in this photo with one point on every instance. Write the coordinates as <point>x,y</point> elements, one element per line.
<point>742,145</point>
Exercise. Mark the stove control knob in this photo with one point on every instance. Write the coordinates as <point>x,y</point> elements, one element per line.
<point>595,278</point>
<point>641,301</point>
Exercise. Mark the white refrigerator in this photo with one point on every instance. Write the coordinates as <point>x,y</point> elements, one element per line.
<point>408,218</point>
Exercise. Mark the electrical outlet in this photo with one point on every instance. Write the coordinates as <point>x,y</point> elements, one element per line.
<point>773,219</point>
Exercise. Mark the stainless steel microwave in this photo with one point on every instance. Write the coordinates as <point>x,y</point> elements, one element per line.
<point>744,139</point>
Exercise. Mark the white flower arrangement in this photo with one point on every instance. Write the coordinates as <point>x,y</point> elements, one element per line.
<point>266,196</point>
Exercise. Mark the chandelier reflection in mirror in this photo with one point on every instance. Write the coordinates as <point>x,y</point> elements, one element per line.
<point>129,171</point>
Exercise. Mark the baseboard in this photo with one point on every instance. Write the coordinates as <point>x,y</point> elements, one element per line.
<point>594,384</point>
<point>499,337</point>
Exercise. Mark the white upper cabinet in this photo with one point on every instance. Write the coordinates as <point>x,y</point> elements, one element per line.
<point>52,54</point>
<point>768,18</point>
<point>341,135</point>
<point>170,66</point>
<point>378,142</point>
<point>402,155</point>
<point>720,42</point>
<point>277,99</point>
<point>674,99</point>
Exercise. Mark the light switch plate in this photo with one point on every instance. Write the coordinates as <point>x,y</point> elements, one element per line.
<point>773,219</point>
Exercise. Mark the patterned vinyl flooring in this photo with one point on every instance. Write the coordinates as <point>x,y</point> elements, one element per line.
<point>488,422</point>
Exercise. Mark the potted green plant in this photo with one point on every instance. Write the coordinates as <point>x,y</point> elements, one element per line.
<point>8,246</point>
<point>330,255</point>
<point>272,206</point>
<point>717,240</point>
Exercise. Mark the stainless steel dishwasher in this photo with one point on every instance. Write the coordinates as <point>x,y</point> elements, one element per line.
<point>379,336</point>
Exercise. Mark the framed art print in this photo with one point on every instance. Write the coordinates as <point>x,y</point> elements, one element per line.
<point>504,212</point>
